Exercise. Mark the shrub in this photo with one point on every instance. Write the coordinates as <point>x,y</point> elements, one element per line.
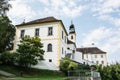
<point>111,72</point>
<point>67,64</point>
<point>7,58</point>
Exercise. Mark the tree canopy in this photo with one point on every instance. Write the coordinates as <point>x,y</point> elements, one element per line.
<point>4,6</point>
<point>30,51</point>
<point>7,33</point>
<point>110,72</point>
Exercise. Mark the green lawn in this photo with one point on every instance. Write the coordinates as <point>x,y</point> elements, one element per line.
<point>35,78</point>
<point>45,78</point>
<point>32,74</point>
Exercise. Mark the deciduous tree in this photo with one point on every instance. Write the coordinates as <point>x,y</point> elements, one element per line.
<point>4,6</point>
<point>30,51</point>
<point>7,33</point>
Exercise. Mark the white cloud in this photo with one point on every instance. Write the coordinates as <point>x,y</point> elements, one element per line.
<point>30,9</point>
<point>20,10</point>
<point>107,39</point>
<point>104,10</point>
<point>66,8</point>
<point>45,2</point>
<point>105,6</point>
<point>96,35</point>
<point>113,20</point>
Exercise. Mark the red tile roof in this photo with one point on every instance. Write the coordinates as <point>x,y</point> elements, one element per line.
<point>92,50</point>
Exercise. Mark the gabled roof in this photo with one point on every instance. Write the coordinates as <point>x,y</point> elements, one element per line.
<point>92,50</point>
<point>43,20</point>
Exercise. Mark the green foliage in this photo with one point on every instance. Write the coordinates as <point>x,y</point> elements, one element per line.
<point>84,67</point>
<point>67,64</point>
<point>8,58</point>
<point>33,73</point>
<point>111,72</point>
<point>29,51</point>
<point>4,6</point>
<point>7,33</point>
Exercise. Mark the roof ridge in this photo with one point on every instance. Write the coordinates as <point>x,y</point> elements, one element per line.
<point>44,19</point>
<point>90,49</point>
<point>41,20</point>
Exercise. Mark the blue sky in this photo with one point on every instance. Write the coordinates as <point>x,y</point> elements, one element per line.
<point>96,21</point>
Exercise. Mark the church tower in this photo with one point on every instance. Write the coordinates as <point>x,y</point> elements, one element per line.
<point>72,33</point>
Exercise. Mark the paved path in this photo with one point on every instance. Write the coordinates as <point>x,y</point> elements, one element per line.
<point>6,74</point>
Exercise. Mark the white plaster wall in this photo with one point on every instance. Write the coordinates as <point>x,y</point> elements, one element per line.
<point>45,39</point>
<point>74,37</point>
<point>100,59</point>
<point>43,30</point>
<point>63,43</point>
<point>91,57</point>
<point>51,55</point>
<point>78,57</point>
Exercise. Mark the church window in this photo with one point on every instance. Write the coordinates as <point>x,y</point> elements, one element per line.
<point>49,48</point>
<point>71,37</point>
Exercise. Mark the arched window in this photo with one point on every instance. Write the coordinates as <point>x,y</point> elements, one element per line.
<point>49,48</point>
<point>71,37</point>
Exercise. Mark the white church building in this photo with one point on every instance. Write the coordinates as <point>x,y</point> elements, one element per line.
<point>57,43</point>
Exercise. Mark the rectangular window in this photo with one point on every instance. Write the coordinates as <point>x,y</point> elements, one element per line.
<point>50,31</point>
<point>37,32</point>
<point>97,62</point>
<point>73,51</point>
<point>102,62</point>
<point>62,35</point>
<point>65,39</point>
<point>86,55</point>
<point>95,56</point>
<point>22,33</point>
<point>62,50</point>
<point>101,56</point>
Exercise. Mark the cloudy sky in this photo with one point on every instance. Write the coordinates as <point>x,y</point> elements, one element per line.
<point>96,21</point>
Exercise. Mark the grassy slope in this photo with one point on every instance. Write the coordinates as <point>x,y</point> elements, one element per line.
<point>32,74</point>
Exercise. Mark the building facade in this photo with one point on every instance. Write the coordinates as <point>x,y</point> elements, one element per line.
<point>57,43</point>
<point>93,55</point>
<point>53,35</point>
